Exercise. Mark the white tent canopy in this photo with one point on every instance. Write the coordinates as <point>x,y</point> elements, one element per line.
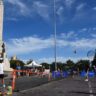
<point>33,64</point>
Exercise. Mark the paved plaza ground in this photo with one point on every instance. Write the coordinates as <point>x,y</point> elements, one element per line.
<point>34,86</point>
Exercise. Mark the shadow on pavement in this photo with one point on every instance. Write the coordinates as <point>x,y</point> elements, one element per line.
<point>78,92</point>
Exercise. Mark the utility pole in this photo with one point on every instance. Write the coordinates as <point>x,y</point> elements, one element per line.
<point>55,47</point>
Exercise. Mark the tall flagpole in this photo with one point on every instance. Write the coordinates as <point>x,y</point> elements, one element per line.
<point>55,47</point>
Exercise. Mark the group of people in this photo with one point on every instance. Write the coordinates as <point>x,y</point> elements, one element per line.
<point>31,71</point>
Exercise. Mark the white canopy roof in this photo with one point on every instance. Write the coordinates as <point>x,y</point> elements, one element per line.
<point>33,64</point>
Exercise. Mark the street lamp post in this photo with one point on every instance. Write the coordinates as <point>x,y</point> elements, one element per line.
<point>55,47</point>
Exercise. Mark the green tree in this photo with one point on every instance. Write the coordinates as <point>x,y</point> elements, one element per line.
<point>70,64</point>
<point>60,65</point>
<point>94,59</point>
<point>53,66</point>
<point>13,63</point>
<point>45,65</point>
<point>82,64</point>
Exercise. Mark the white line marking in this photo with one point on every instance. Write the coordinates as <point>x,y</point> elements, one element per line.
<point>90,89</point>
<point>91,95</point>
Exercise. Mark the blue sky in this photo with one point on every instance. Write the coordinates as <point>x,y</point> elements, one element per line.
<point>29,29</point>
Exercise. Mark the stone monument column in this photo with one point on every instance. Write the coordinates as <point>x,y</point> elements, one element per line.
<point>2,45</point>
<point>1,24</point>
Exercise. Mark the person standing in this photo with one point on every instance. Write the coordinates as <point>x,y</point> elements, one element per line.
<point>2,71</point>
<point>18,68</point>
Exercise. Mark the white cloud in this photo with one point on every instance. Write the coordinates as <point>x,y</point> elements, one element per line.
<point>83,30</point>
<point>94,28</point>
<point>12,19</point>
<point>19,7</point>
<point>84,43</point>
<point>88,31</point>
<point>33,44</point>
<point>57,0</point>
<point>13,1</point>
<point>69,3</point>
<point>29,10</point>
<point>60,59</point>
<point>94,35</point>
<point>94,8</point>
<point>80,7</point>
<point>68,35</point>
<point>60,12</point>
<point>80,43</point>
<point>44,9</point>
<point>41,9</point>
<point>82,13</point>
<point>27,45</point>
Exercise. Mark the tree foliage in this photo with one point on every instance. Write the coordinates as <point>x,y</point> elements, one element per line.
<point>82,64</point>
<point>94,60</point>
<point>68,65</point>
<point>13,63</point>
<point>45,65</point>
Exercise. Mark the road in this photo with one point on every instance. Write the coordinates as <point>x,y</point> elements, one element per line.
<point>64,87</point>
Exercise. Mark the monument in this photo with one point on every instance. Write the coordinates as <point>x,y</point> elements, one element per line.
<point>1,24</point>
<point>2,45</point>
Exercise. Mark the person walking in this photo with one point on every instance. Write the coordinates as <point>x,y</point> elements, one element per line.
<point>87,72</point>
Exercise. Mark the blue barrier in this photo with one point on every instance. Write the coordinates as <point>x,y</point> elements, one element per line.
<point>53,74</point>
<point>65,74</point>
<point>83,74</point>
<point>56,74</point>
<point>91,74</point>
